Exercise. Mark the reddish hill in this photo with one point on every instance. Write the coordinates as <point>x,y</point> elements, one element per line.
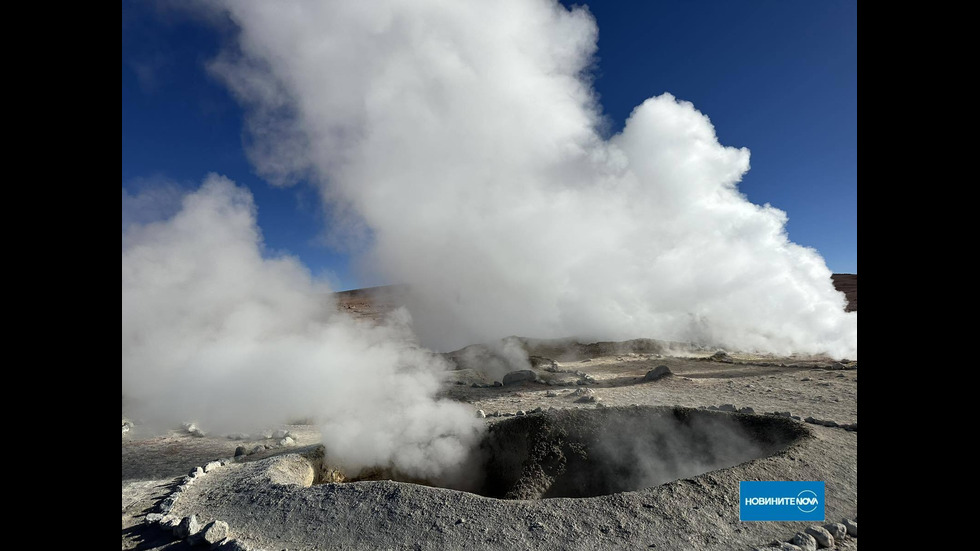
<point>848,284</point>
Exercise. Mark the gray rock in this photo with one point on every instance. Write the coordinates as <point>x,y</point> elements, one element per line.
<point>521,412</point>
<point>546,363</point>
<point>239,451</point>
<point>784,546</point>
<point>187,527</point>
<point>782,413</point>
<point>836,529</point>
<point>805,542</point>
<point>497,383</point>
<point>746,410</point>
<point>287,441</point>
<point>721,356</point>
<point>851,526</point>
<point>657,373</point>
<point>522,375</point>
<point>583,392</point>
<point>195,472</point>
<point>551,394</point>
<point>819,533</point>
<point>805,379</point>
<point>480,414</point>
<point>212,466</point>
<point>193,430</point>
<point>152,518</point>
<point>537,410</point>
<point>168,503</point>
<point>258,448</point>
<point>169,522</point>
<point>280,434</point>
<point>589,398</point>
<point>728,407</point>
<point>214,532</point>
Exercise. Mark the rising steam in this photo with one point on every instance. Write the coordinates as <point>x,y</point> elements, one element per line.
<point>463,135</point>
<point>215,333</point>
<point>458,143</point>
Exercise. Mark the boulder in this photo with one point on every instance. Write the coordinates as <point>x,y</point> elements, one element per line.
<point>804,542</point>
<point>152,518</point>
<point>213,533</point>
<point>169,522</point>
<point>657,373</point>
<point>819,533</point>
<point>519,376</point>
<point>187,527</point>
<point>851,526</point>
<point>836,529</point>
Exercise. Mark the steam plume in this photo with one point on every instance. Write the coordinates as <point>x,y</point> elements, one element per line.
<point>463,136</point>
<point>215,333</point>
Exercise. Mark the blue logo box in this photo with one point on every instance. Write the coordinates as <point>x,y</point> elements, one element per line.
<point>780,500</point>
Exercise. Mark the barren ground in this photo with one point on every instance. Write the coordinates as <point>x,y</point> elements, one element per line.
<point>700,512</point>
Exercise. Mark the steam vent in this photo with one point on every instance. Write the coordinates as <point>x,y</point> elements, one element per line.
<point>574,452</point>
<point>429,275</point>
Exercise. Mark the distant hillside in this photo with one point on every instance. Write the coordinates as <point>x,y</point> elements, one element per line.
<point>373,302</point>
<point>848,284</point>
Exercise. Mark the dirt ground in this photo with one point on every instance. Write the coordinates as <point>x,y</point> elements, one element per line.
<point>693,513</point>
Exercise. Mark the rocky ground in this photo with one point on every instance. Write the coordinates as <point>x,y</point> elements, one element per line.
<point>259,492</point>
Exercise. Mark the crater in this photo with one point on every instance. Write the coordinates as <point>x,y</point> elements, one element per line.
<point>585,453</point>
<point>578,453</point>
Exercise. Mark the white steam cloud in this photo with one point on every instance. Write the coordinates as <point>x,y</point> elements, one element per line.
<point>463,135</point>
<point>215,333</point>
<point>457,143</point>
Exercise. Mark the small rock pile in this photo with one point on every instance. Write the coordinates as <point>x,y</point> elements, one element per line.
<point>814,537</point>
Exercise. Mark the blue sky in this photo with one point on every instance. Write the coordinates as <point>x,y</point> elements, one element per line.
<point>777,77</point>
